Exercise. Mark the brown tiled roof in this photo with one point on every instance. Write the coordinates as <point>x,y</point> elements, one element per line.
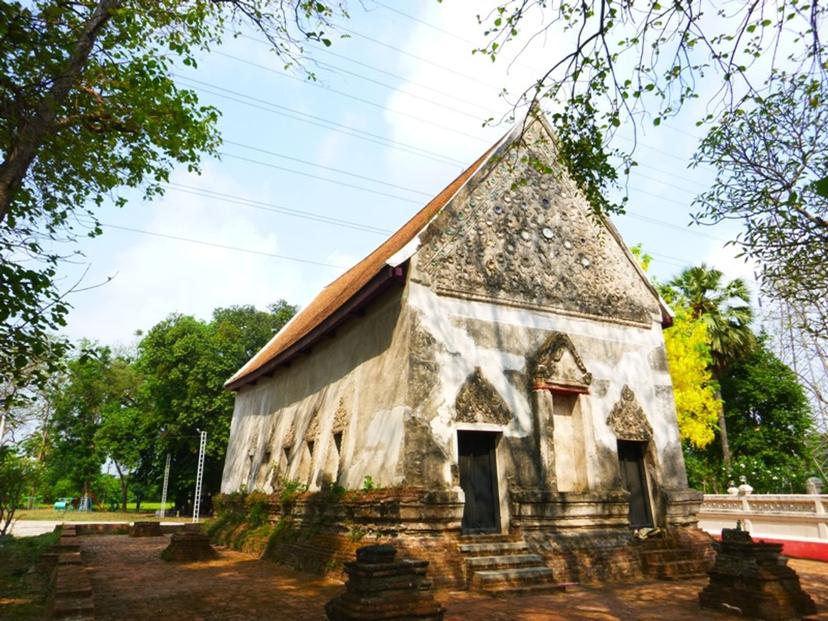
<point>332,297</point>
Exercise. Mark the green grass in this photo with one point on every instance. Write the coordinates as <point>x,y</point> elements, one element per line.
<point>23,580</point>
<point>94,516</point>
<point>150,506</point>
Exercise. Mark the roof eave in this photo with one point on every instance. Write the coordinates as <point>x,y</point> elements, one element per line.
<point>386,278</point>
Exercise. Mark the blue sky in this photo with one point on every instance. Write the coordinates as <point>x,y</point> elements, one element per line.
<point>395,115</point>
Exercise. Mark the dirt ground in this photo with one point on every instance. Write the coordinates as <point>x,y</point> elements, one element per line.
<point>130,581</point>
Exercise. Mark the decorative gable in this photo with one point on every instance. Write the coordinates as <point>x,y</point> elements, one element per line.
<point>558,365</point>
<point>521,237</point>
<point>479,402</point>
<point>627,419</point>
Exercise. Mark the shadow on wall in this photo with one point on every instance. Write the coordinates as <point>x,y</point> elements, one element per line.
<point>365,335</point>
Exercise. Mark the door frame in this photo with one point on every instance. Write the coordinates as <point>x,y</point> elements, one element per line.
<point>499,479</point>
<point>645,476</point>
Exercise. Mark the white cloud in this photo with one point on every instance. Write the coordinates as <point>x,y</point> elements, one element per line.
<point>465,87</point>
<point>724,258</point>
<point>156,276</point>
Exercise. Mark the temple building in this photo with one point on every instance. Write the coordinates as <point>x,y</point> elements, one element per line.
<point>502,353</point>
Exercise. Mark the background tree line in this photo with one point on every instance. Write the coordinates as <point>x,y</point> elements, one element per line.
<point>125,410</point>
<point>741,410</point>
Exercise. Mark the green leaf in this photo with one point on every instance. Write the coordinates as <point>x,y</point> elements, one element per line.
<point>821,187</point>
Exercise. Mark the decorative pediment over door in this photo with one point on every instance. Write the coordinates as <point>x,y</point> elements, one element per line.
<point>627,419</point>
<point>558,367</point>
<point>479,402</point>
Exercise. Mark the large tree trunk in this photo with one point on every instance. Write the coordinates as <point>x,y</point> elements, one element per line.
<point>33,130</point>
<point>723,431</point>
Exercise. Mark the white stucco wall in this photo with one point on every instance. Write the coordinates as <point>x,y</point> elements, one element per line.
<point>361,369</point>
<point>617,354</point>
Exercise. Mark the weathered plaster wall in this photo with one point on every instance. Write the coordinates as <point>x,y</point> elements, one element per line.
<point>353,383</point>
<point>514,257</point>
<point>501,341</point>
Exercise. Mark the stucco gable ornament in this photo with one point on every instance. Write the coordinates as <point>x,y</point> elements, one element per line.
<point>557,363</point>
<point>288,437</point>
<point>627,418</point>
<point>479,402</point>
<point>525,238</point>
<point>340,420</point>
<point>313,428</point>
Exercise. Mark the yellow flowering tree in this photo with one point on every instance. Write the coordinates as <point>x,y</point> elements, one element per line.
<point>688,355</point>
<point>694,389</point>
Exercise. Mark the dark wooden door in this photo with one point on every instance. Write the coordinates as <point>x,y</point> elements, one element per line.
<point>631,459</point>
<point>478,478</point>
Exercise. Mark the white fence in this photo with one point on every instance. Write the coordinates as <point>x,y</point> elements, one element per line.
<point>774,516</point>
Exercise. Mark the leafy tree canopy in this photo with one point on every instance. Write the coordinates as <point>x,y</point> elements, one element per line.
<point>185,363</point>
<point>88,109</point>
<point>769,424</point>
<point>772,164</point>
<point>724,308</point>
<point>767,411</point>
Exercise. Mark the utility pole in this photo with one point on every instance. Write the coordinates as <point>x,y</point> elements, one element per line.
<point>199,475</point>
<point>164,489</point>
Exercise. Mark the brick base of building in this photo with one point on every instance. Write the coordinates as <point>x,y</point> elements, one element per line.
<point>320,537</point>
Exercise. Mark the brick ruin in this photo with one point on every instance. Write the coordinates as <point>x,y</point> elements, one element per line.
<point>752,579</point>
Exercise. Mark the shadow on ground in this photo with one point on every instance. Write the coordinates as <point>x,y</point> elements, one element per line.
<point>131,581</point>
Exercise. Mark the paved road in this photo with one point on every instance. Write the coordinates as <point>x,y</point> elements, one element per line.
<point>32,528</point>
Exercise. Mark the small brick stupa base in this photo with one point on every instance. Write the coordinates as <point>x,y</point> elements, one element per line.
<point>754,579</point>
<point>145,529</point>
<point>379,587</point>
<point>188,545</point>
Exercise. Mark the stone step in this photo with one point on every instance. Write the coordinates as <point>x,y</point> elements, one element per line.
<point>482,563</point>
<point>487,538</point>
<point>73,608</point>
<point>494,548</point>
<point>681,569</point>
<point>663,555</point>
<point>530,589</point>
<point>507,578</point>
<point>69,558</point>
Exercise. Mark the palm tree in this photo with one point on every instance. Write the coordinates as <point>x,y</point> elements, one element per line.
<point>726,312</point>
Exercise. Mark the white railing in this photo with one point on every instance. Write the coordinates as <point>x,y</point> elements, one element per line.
<point>775,516</point>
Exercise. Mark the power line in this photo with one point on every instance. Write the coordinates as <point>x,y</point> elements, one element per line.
<point>666,258</point>
<point>316,217</point>
<point>319,121</point>
<point>354,97</point>
<point>318,177</point>
<point>454,35</point>
<point>676,227</point>
<point>657,180</point>
<point>331,168</point>
<point>421,59</point>
<point>201,242</point>
<point>425,23</point>
<point>377,105</point>
<point>396,89</point>
<point>275,208</point>
<point>328,52</point>
<point>661,198</point>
